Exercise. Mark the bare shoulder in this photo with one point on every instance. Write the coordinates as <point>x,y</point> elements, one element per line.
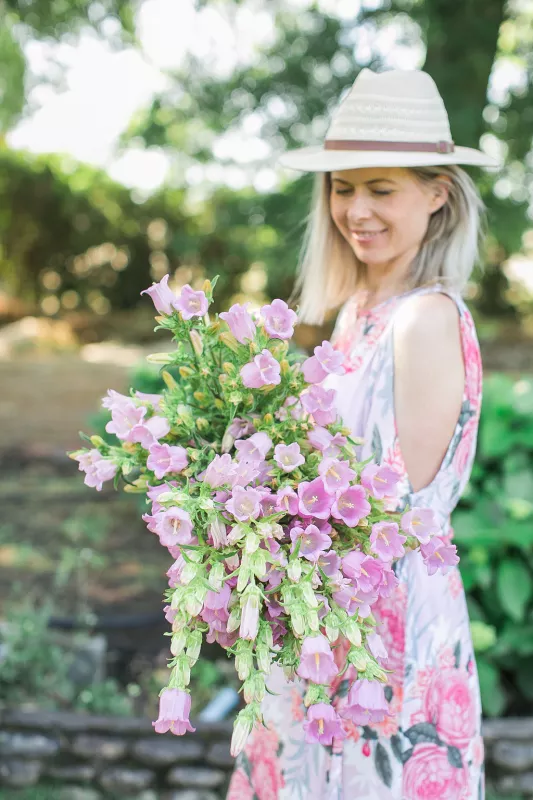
<point>429,319</point>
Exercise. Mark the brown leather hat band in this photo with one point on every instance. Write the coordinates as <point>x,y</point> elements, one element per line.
<point>354,144</point>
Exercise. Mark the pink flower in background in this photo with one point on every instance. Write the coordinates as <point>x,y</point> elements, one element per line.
<point>320,403</point>
<point>329,563</point>
<point>288,456</point>
<point>335,474</point>
<point>149,431</point>
<point>174,710</point>
<point>439,556</point>
<point>174,573</point>
<point>314,501</point>
<point>389,582</point>
<point>376,646</point>
<point>291,406</point>
<point>287,500</point>
<point>329,446</point>
<point>124,417</point>
<point>219,471</point>
<point>191,304</point>
<point>386,541</point>
<point>316,660</point>
<point>165,458</point>
<point>264,370</point>
<point>279,319</point>
<point>366,571</point>
<point>323,724</point>
<point>326,360</point>
<point>114,399</point>
<point>243,473</point>
<point>97,468</point>
<point>351,505</point>
<point>420,522</point>
<point>380,481</point>
<point>255,448</point>
<point>428,775</point>
<point>366,703</point>
<point>152,399</point>
<point>312,541</point>
<point>244,504</point>
<point>174,527</point>
<point>163,298</point>
<point>240,322</point>
<point>449,704</point>
<point>353,600</point>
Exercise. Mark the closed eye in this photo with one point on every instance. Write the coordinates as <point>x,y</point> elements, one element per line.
<point>374,191</point>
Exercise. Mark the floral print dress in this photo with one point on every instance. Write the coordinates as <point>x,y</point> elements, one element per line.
<point>430,747</point>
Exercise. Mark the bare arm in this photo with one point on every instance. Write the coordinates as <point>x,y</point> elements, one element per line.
<point>428,382</point>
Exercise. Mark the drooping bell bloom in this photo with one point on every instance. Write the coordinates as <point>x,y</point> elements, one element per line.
<point>336,474</point>
<point>323,724</point>
<point>313,499</point>
<point>316,660</point>
<point>154,492</point>
<point>380,481</point>
<point>174,573</point>
<point>240,322</point>
<point>366,571</point>
<point>164,458</point>
<point>420,522</point>
<point>287,500</point>
<point>279,320</point>
<point>320,402</point>
<point>312,541</point>
<point>163,298</point>
<point>439,556</point>
<point>355,600</point>
<point>219,471</point>
<point>326,360</point>
<point>288,456</point>
<point>244,473</point>
<point>329,563</point>
<point>254,448</point>
<point>149,431</point>
<point>174,710</point>
<point>217,533</point>
<point>350,505</point>
<point>114,399</point>
<point>376,646</point>
<point>250,615</point>
<point>366,703</point>
<point>386,541</point>
<point>191,304</point>
<point>124,417</point>
<point>321,439</point>
<point>264,370</point>
<point>97,468</point>
<point>244,504</point>
<point>174,527</point>
<point>389,582</point>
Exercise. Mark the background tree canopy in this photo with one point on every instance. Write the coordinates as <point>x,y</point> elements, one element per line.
<point>68,232</point>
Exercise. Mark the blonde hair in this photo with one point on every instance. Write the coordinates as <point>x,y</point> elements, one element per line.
<point>329,270</point>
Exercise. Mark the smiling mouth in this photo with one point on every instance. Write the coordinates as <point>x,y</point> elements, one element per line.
<point>366,236</point>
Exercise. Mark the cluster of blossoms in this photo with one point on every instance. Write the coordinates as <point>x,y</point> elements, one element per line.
<point>281,538</point>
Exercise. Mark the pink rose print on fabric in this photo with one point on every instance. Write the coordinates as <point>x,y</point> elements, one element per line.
<point>240,787</point>
<point>390,615</point>
<point>428,775</point>
<point>449,704</point>
<point>464,451</point>
<point>266,775</point>
<point>471,357</point>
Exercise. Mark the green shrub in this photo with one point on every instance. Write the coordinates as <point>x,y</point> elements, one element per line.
<point>494,533</point>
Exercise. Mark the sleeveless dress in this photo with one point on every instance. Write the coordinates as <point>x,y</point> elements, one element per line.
<point>430,748</point>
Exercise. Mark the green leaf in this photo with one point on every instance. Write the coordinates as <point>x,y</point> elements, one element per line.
<point>514,587</point>
<point>492,695</point>
<point>422,732</point>
<point>454,757</point>
<point>383,765</point>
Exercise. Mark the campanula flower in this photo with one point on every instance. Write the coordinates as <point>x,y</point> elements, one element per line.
<point>313,499</point>
<point>240,322</point>
<point>316,660</point>
<point>380,481</point>
<point>335,474</point>
<point>163,298</point>
<point>420,522</point>
<point>191,304</point>
<point>366,703</point>
<point>279,319</point>
<point>264,370</point>
<point>350,505</point>
<point>164,458</point>
<point>174,710</point>
<point>288,456</point>
<point>244,504</point>
<point>439,556</point>
<point>254,448</point>
<point>386,541</point>
<point>323,724</point>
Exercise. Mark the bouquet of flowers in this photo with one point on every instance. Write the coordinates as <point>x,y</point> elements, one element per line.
<point>282,539</point>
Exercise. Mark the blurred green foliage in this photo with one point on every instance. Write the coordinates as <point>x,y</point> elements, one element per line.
<point>494,534</point>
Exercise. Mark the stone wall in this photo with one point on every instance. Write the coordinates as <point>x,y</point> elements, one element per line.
<point>121,758</point>
<point>112,757</point>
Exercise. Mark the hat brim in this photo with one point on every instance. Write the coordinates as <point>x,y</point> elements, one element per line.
<point>316,159</point>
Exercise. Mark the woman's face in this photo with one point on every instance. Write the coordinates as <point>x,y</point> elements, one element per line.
<point>383,213</point>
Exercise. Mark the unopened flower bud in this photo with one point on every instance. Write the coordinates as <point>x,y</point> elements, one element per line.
<point>185,372</point>
<point>216,576</point>
<point>258,563</point>
<point>178,642</point>
<point>352,632</point>
<point>229,340</point>
<point>196,341</point>
<point>294,570</point>
<point>313,619</point>
<point>251,542</point>
<point>264,658</point>
<point>359,658</point>
<point>202,424</point>
<point>254,688</point>
<point>234,619</point>
<point>298,618</point>
<point>308,594</point>
<point>194,643</point>
<point>98,442</point>
<point>160,358</point>
<point>170,383</point>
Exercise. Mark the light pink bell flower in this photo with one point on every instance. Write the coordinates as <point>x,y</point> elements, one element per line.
<point>320,402</point>
<point>288,456</point>
<point>329,563</point>
<point>250,615</point>
<point>217,533</point>
<point>97,469</point>
<point>336,474</point>
<point>354,600</point>
<point>164,299</point>
<point>174,711</point>
<point>240,322</point>
<point>154,492</point>
<point>367,572</point>
<point>313,499</point>
<point>316,660</point>
<point>420,522</point>
<point>264,370</point>
<point>329,446</point>
<point>164,459</point>
<point>279,320</point>
<point>439,556</point>
<point>323,724</point>
<point>366,703</point>
<point>244,504</point>
<point>254,448</point>
<point>244,473</point>
<point>325,361</point>
<point>389,582</point>
<point>375,645</point>
<point>174,527</point>
<point>219,472</point>
<point>287,500</point>
<point>149,431</point>
<point>124,417</point>
<point>350,505</point>
<point>191,304</point>
<point>386,541</point>
<point>312,541</point>
<point>380,481</point>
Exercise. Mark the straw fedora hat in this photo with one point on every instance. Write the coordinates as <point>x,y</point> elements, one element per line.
<point>395,118</point>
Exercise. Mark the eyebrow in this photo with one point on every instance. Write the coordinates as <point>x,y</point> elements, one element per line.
<point>374,180</point>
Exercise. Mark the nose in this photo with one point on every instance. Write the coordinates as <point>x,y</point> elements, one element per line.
<point>359,208</point>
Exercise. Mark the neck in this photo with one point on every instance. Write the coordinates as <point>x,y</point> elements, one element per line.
<point>389,279</point>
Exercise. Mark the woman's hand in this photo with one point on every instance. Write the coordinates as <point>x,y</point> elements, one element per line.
<point>428,382</point>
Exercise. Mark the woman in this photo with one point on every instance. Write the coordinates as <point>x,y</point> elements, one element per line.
<point>393,235</point>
